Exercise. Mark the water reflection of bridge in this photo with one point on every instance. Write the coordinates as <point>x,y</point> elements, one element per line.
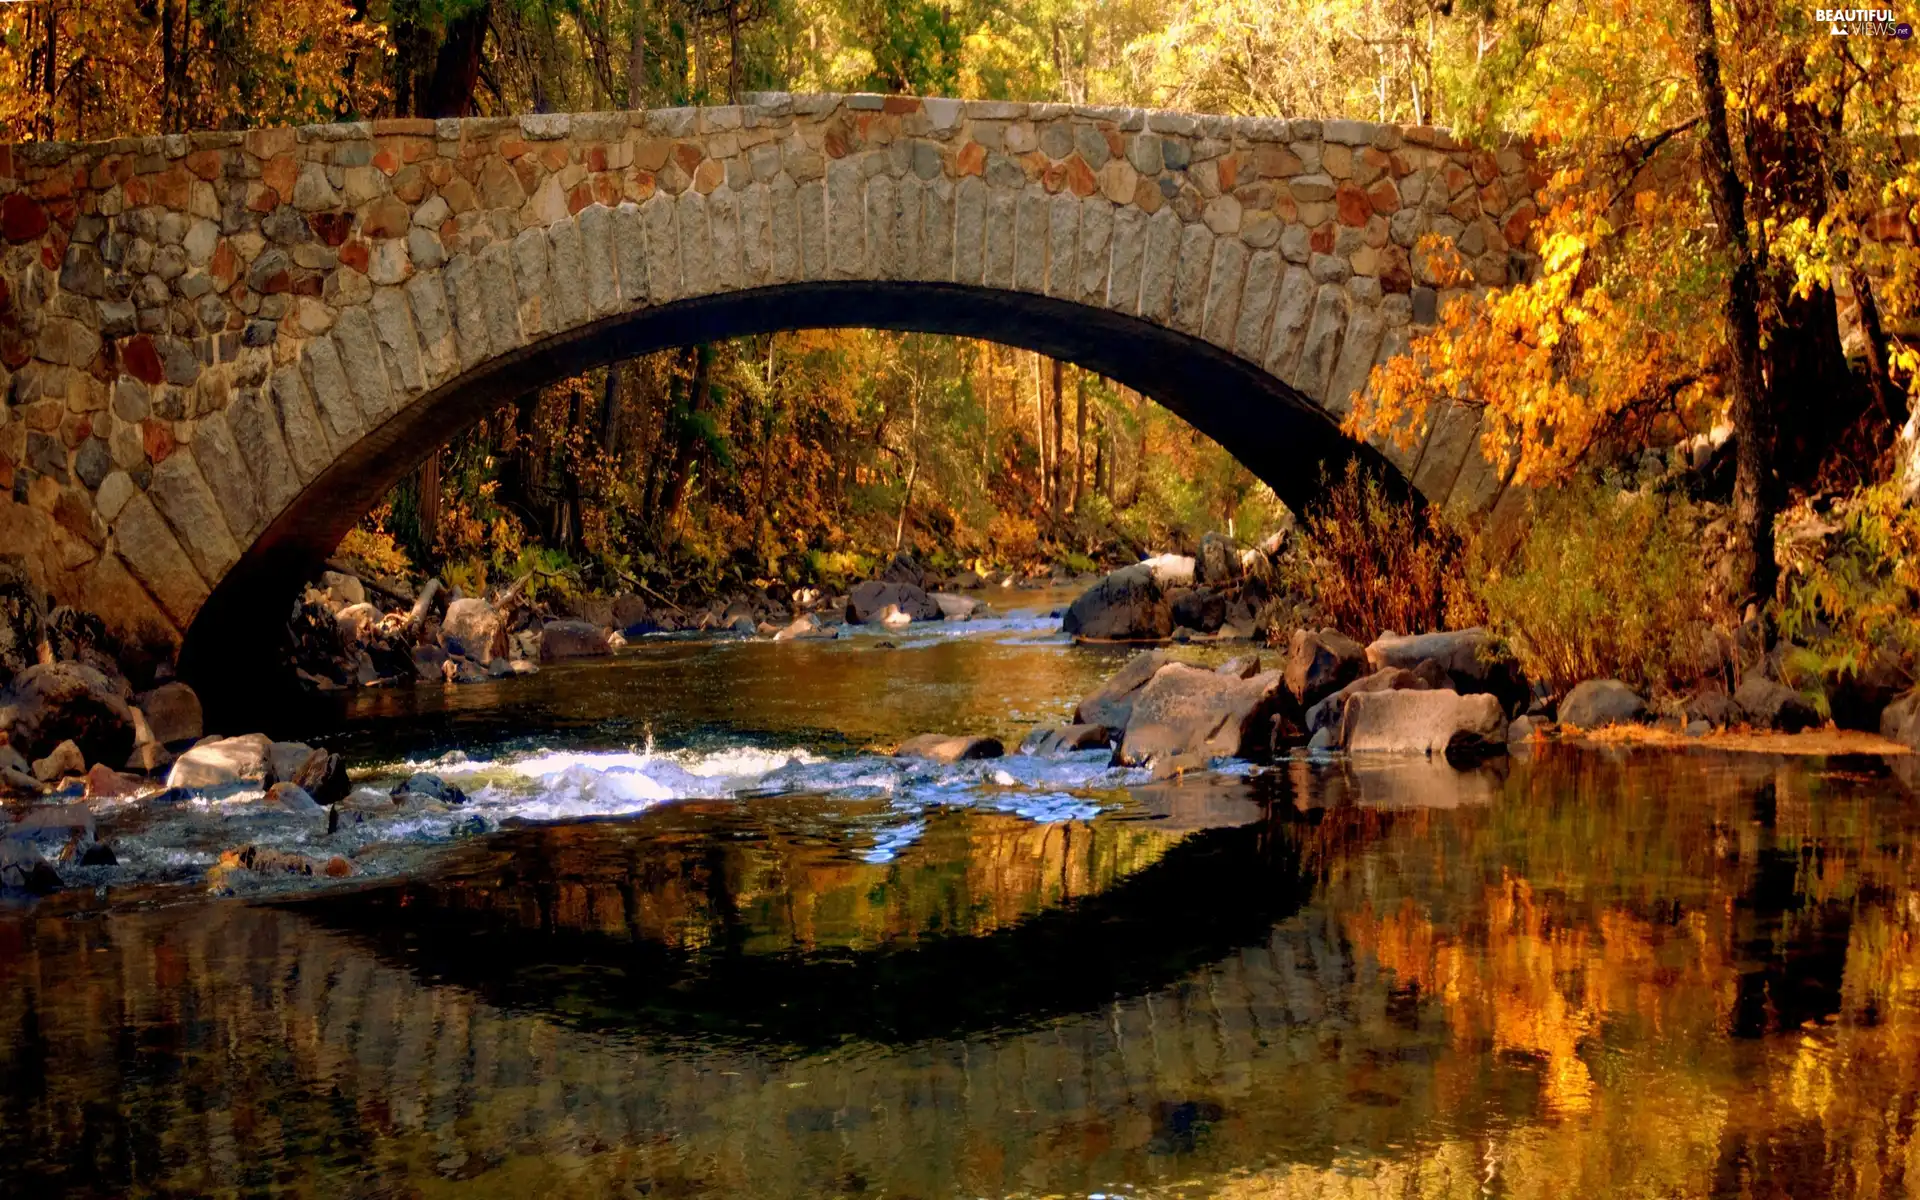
<point>231,1048</point>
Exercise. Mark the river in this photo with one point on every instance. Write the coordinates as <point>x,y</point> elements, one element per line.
<point>694,936</point>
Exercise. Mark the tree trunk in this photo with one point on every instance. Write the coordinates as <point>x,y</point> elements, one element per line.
<point>637,58</point>
<point>682,472</point>
<point>456,68</point>
<point>610,409</point>
<point>1040,430</point>
<point>427,486</point>
<point>1879,374</point>
<point>1814,396</point>
<point>1079,437</point>
<point>1053,477</point>
<point>1755,492</point>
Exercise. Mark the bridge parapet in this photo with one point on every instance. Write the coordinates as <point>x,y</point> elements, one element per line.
<point>195,330</point>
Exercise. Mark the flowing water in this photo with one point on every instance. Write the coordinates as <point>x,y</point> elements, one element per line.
<point>695,936</point>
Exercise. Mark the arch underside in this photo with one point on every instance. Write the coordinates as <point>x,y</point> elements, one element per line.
<point>1280,435</point>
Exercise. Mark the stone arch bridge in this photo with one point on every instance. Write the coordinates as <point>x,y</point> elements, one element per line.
<point>218,350</point>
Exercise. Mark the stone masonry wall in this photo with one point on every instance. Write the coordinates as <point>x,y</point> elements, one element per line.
<point>192,328</point>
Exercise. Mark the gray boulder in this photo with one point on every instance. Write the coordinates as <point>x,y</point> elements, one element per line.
<point>866,601</point>
<point>1199,608</point>
<point>1111,703</point>
<point>473,629</point>
<point>222,762</point>
<point>317,772</point>
<point>50,703</point>
<point>424,785</point>
<point>1218,563</point>
<point>172,712</point>
<point>1772,705</point>
<point>938,747</point>
<point>1320,662</point>
<point>1048,740</point>
<point>1423,722</point>
<point>1597,703</point>
<point>1713,706</point>
<point>1193,714</point>
<point>1128,605</point>
<point>1900,720</point>
<point>573,639</point>
<point>955,608</point>
<point>1326,713</point>
<point>1459,652</point>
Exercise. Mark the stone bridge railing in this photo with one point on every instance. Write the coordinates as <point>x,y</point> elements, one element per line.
<point>205,338</point>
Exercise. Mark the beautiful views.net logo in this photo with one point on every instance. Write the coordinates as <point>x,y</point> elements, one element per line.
<point>1862,22</point>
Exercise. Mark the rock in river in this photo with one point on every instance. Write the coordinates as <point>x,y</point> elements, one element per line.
<point>1188,712</point>
<point>572,639</point>
<point>173,713</point>
<point>1128,605</point>
<point>222,762</point>
<point>1320,662</point>
<point>1423,722</point>
<point>939,747</point>
<point>868,600</point>
<point>50,703</point>
<point>473,629</point>
<point>1111,703</point>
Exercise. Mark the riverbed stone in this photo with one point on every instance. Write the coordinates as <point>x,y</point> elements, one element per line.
<point>1127,605</point>
<point>216,763</point>
<point>1191,714</point>
<point>1597,703</point>
<point>939,747</point>
<point>1422,721</point>
<point>51,703</point>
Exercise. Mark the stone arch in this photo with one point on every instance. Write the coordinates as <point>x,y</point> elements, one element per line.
<point>219,348</point>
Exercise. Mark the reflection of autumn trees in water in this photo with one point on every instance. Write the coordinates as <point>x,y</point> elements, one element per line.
<point>1647,976</point>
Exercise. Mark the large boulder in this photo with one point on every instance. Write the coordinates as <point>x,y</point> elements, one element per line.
<point>1425,722</point>
<point>1171,570</point>
<point>903,569</point>
<point>473,629</point>
<point>573,639</point>
<point>22,614</point>
<point>1190,714</point>
<point>1597,703</point>
<point>1772,705</point>
<point>1326,713</point>
<point>1321,662</point>
<point>1461,652</point>
<point>1900,720</point>
<point>1045,741</point>
<point>955,608</point>
<point>939,747</point>
<point>172,712</point>
<point>1199,608</point>
<point>50,703</point>
<point>223,762</point>
<point>1128,605</point>
<point>317,772</point>
<point>868,600</point>
<point>1110,704</point>
<point>1714,706</point>
<point>1218,563</point>
<point>629,611</point>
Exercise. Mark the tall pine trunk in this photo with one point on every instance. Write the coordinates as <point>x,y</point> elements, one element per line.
<point>1755,487</point>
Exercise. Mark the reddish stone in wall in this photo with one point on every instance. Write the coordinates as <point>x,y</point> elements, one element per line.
<point>157,438</point>
<point>21,220</point>
<point>1352,204</point>
<point>139,359</point>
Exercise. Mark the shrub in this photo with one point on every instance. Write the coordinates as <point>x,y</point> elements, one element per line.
<point>1598,584</point>
<point>1850,588</point>
<point>1369,563</point>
